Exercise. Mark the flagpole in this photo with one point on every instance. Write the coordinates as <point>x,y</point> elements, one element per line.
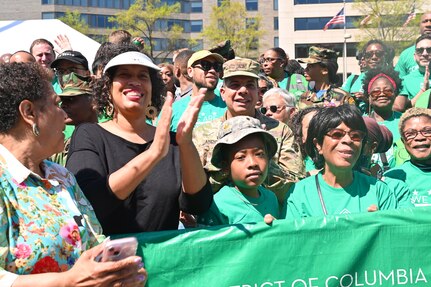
<point>345,45</point>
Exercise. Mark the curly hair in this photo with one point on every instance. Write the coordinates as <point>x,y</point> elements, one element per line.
<point>327,119</point>
<point>297,124</point>
<point>18,82</point>
<point>412,113</point>
<point>102,90</point>
<point>388,71</point>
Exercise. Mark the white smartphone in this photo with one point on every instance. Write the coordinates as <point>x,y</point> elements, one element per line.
<point>119,249</point>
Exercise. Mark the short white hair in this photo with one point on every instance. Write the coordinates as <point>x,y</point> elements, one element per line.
<point>288,97</point>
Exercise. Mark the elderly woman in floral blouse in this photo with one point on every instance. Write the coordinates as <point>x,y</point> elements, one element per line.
<point>46,223</point>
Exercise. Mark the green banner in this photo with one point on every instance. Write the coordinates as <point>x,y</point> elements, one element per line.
<point>391,248</point>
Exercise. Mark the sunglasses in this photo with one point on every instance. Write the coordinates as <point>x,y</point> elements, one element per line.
<point>370,54</point>
<point>386,92</point>
<point>338,134</point>
<point>273,109</point>
<point>206,66</point>
<point>411,134</point>
<point>420,51</point>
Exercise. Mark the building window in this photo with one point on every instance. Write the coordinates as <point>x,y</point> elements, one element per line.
<point>319,22</point>
<point>276,42</point>
<point>301,50</point>
<point>196,25</point>
<point>275,4</point>
<point>276,23</point>
<point>251,5</point>
<point>196,6</point>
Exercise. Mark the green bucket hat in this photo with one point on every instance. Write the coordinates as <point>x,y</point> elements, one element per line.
<point>235,129</point>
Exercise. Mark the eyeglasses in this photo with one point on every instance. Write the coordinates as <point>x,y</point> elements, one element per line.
<point>420,51</point>
<point>273,109</point>
<point>206,66</point>
<point>338,134</point>
<point>268,59</point>
<point>387,92</point>
<point>377,53</point>
<point>411,133</point>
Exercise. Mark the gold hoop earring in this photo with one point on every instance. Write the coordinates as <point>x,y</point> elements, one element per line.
<point>151,112</point>
<point>35,129</point>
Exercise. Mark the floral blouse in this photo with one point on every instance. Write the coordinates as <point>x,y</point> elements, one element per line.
<point>45,223</point>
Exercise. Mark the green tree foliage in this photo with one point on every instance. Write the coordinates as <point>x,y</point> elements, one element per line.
<point>386,19</point>
<point>229,21</point>
<point>74,20</point>
<point>147,19</point>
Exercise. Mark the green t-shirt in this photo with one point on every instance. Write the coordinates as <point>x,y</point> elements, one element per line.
<point>357,197</point>
<point>230,206</point>
<point>417,180</point>
<point>356,86</point>
<point>309,164</point>
<point>209,111</point>
<point>401,191</point>
<point>412,83</point>
<point>423,101</point>
<point>406,62</point>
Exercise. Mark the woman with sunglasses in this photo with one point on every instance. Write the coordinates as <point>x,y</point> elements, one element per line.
<point>375,55</point>
<point>415,129</point>
<point>335,140</point>
<point>381,87</point>
<point>279,104</point>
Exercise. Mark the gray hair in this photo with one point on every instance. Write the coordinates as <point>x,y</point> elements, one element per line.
<point>288,97</point>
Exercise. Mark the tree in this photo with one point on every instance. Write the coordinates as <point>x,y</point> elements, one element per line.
<point>74,20</point>
<point>229,21</point>
<point>148,19</point>
<point>385,21</point>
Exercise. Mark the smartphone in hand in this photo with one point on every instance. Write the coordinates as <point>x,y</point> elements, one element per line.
<point>119,249</point>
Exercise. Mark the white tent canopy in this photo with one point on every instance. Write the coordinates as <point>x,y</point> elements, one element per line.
<point>18,35</point>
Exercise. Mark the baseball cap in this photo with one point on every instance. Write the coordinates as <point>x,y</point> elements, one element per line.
<point>235,129</point>
<point>241,67</point>
<point>320,55</point>
<point>199,55</point>
<point>72,56</point>
<point>131,58</point>
<point>75,85</point>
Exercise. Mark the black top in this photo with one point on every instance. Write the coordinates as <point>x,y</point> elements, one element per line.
<point>154,205</point>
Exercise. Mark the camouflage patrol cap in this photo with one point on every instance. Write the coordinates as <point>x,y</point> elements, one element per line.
<point>320,55</point>
<point>241,67</point>
<point>235,129</point>
<point>75,85</point>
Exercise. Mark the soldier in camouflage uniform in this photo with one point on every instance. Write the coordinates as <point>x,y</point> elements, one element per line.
<point>77,102</point>
<point>322,71</point>
<point>240,92</point>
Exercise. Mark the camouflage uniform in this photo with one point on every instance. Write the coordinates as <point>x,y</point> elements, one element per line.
<point>331,97</point>
<point>74,85</point>
<point>285,168</point>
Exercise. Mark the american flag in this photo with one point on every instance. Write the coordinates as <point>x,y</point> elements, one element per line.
<point>411,16</point>
<point>337,19</point>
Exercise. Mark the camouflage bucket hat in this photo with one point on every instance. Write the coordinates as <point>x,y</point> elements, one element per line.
<point>241,67</point>
<point>235,129</point>
<point>75,85</point>
<point>320,55</point>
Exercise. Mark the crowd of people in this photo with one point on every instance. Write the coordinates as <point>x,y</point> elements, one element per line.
<point>128,146</point>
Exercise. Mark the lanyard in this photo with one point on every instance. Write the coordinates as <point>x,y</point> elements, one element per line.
<point>319,192</point>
